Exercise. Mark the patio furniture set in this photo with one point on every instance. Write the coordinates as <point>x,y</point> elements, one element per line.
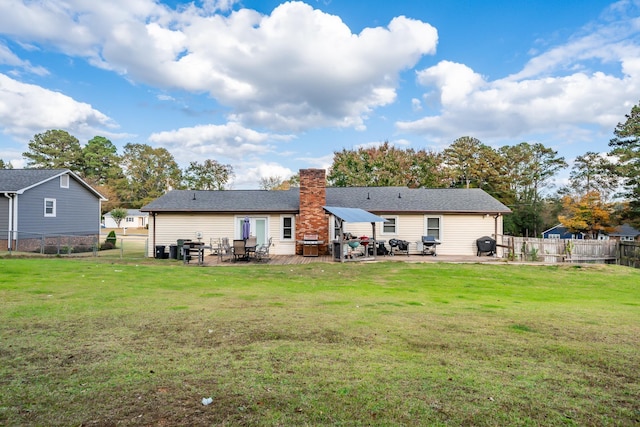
<point>243,249</point>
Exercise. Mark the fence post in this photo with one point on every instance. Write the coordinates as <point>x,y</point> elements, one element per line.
<point>121,248</point>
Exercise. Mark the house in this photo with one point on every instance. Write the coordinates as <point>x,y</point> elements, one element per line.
<point>456,217</point>
<point>37,203</point>
<point>625,233</point>
<point>134,219</point>
<point>561,232</point>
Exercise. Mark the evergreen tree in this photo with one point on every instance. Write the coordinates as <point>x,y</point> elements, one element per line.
<point>54,149</point>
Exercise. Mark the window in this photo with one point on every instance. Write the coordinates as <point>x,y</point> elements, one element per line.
<point>64,181</point>
<point>554,236</point>
<point>626,238</point>
<point>287,227</point>
<point>433,227</point>
<point>130,219</point>
<point>391,226</point>
<point>50,207</point>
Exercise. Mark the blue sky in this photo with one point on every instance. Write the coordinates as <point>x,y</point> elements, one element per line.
<point>271,87</point>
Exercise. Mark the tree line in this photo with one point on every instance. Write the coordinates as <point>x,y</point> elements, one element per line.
<point>131,179</point>
<point>603,191</point>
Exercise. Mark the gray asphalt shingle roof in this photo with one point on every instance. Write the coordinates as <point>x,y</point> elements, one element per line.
<point>225,201</point>
<point>15,180</point>
<point>625,230</point>
<point>20,180</point>
<point>372,199</point>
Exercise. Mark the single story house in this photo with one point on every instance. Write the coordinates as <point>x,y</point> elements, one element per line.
<point>134,219</point>
<point>561,232</point>
<point>455,217</point>
<point>625,233</point>
<point>38,203</point>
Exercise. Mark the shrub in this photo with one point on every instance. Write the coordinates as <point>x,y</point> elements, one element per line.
<point>111,238</point>
<point>107,245</point>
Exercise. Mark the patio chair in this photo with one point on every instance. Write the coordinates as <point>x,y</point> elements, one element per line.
<point>239,251</point>
<point>224,249</point>
<point>262,251</point>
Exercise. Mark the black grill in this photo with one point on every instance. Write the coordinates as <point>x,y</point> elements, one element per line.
<point>487,245</point>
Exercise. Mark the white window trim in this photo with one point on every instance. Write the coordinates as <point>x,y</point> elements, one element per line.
<point>440,224</point>
<point>64,181</point>
<point>53,214</point>
<point>397,225</point>
<point>293,228</point>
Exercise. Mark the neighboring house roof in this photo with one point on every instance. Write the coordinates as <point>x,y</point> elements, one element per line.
<point>557,228</point>
<point>374,199</point>
<point>20,180</point>
<point>625,230</point>
<point>562,231</point>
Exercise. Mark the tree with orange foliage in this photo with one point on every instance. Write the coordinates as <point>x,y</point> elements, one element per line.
<point>587,214</point>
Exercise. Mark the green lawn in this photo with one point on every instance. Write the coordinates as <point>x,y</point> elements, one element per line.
<point>104,342</point>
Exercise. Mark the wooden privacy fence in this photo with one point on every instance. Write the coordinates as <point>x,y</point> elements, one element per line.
<point>558,250</point>
<point>629,254</point>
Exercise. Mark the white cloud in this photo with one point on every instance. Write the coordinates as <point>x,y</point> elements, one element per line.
<point>296,68</point>
<point>9,58</point>
<point>229,141</point>
<point>248,175</point>
<point>534,101</point>
<point>26,109</point>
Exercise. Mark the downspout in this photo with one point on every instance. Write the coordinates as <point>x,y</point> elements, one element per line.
<point>495,225</point>
<point>153,234</point>
<point>10,224</point>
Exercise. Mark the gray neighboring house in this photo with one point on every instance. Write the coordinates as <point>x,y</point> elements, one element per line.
<point>38,203</point>
<point>625,233</point>
<point>455,217</point>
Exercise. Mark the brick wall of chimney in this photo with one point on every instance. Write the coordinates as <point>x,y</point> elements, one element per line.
<point>312,219</point>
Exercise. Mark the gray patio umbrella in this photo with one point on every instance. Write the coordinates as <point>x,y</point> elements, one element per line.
<point>246,228</point>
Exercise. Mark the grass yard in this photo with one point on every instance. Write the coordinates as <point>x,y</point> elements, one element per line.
<point>103,342</point>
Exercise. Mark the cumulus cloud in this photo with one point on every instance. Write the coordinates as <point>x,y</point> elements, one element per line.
<point>297,68</point>
<point>230,141</point>
<point>555,91</point>
<point>25,107</point>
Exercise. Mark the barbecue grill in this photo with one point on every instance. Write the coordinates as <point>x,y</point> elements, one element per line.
<point>399,246</point>
<point>310,244</point>
<point>486,244</point>
<point>429,244</point>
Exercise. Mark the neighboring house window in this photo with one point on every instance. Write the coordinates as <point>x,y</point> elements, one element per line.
<point>626,238</point>
<point>49,207</point>
<point>391,226</point>
<point>287,227</point>
<point>433,226</point>
<point>130,219</point>
<point>64,181</point>
<point>554,236</point>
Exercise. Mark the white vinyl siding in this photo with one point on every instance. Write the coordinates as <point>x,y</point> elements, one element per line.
<point>458,233</point>
<point>169,227</point>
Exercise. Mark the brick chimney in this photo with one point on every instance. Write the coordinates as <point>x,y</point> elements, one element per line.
<point>312,219</point>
